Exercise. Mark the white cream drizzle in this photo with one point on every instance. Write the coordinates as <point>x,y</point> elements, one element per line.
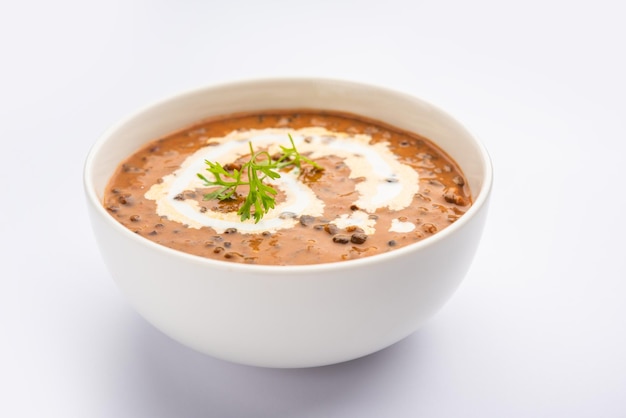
<point>385,182</point>
<point>401,226</point>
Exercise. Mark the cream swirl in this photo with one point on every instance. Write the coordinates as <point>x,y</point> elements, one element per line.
<point>383,180</point>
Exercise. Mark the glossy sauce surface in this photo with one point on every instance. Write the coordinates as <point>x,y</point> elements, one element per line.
<point>380,189</point>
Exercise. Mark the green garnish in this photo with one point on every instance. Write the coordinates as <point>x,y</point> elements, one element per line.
<point>261,166</point>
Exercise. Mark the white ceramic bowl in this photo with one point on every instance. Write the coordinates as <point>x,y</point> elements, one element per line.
<point>288,316</point>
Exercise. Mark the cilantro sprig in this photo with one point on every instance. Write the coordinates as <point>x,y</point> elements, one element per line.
<point>261,196</point>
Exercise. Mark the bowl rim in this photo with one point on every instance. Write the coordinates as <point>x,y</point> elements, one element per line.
<point>483,194</point>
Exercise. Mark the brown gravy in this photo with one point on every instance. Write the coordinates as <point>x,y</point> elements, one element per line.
<point>442,198</point>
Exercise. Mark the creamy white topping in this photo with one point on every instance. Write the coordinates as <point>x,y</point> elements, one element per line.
<point>385,182</point>
<point>401,226</point>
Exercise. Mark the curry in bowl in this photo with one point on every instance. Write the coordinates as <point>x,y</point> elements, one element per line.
<point>288,222</point>
<point>343,187</point>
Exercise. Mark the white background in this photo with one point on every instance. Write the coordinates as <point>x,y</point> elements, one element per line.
<point>538,327</point>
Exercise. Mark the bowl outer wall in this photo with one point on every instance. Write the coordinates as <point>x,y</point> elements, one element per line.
<point>297,316</point>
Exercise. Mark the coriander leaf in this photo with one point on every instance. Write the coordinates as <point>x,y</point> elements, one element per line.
<point>261,166</point>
